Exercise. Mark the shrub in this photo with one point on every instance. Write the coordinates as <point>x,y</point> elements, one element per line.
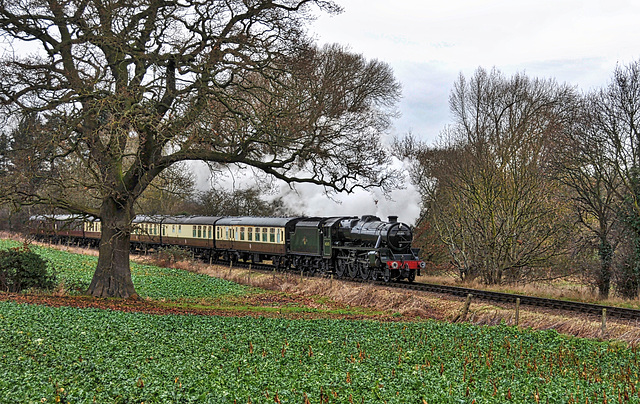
<point>21,268</point>
<point>167,256</point>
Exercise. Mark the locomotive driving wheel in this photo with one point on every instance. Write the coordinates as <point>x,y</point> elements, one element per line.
<point>365,271</point>
<point>353,269</point>
<point>341,268</point>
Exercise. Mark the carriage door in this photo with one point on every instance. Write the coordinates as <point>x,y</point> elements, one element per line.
<point>326,243</point>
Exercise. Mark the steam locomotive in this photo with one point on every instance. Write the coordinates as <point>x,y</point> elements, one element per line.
<point>357,247</point>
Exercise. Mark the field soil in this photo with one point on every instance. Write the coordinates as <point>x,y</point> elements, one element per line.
<point>270,304</point>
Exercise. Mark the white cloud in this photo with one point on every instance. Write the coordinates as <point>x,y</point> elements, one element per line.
<point>311,201</point>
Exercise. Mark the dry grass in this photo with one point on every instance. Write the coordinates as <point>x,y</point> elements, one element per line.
<point>422,305</point>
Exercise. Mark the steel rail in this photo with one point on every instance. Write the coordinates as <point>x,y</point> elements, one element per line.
<point>501,297</point>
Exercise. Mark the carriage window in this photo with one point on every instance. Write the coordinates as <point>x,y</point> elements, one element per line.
<point>279,235</point>
<point>194,230</point>
<point>226,235</point>
<point>272,235</point>
<point>242,233</point>
<point>179,228</point>
<point>199,231</point>
<point>257,234</point>
<point>250,233</point>
<point>173,228</point>
<point>164,230</point>
<point>264,234</point>
<point>210,232</point>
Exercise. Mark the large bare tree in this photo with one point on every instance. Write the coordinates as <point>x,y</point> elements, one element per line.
<point>127,88</point>
<point>485,186</point>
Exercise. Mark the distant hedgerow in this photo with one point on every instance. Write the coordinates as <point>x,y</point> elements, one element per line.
<point>21,268</point>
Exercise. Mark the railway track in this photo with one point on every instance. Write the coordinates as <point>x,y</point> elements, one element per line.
<point>500,297</point>
<point>496,297</point>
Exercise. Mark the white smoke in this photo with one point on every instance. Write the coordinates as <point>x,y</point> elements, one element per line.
<point>311,200</point>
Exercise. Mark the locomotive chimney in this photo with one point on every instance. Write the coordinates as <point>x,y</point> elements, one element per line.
<point>393,219</point>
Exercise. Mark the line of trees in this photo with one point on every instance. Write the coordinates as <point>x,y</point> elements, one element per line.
<point>532,175</point>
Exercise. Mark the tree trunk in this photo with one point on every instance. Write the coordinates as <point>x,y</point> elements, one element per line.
<point>604,277</point>
<point>113,273</point>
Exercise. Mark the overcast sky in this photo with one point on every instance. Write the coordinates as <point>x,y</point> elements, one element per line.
<point>429,43</point>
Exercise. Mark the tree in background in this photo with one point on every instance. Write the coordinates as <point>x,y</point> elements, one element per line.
<point>240,202</point>
<point>486,187</point>
<point>615,122</point>
<point>128,89</point>
<point>583,165</point>
<point>169,193</point>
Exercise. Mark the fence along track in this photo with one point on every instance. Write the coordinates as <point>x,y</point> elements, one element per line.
<point>500,297</point>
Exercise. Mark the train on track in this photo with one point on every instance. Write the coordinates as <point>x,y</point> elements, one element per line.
<point>356,247</point>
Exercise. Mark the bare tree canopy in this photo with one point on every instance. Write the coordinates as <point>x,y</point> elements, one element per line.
<point>485,187</point>
<point>123,90</point>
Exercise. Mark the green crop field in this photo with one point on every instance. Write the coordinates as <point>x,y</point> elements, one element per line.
<point>90,355</point>
<point>82,355</point>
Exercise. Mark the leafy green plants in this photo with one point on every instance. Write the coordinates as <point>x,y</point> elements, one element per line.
<point>74,272</point>
<point>82,355</point>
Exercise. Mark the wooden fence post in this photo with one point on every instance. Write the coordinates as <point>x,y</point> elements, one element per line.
<point>517,311</point>
<point>465,309</point>
<point>603,327</point>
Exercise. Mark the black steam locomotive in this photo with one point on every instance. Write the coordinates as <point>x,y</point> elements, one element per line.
<point>365,247</point>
